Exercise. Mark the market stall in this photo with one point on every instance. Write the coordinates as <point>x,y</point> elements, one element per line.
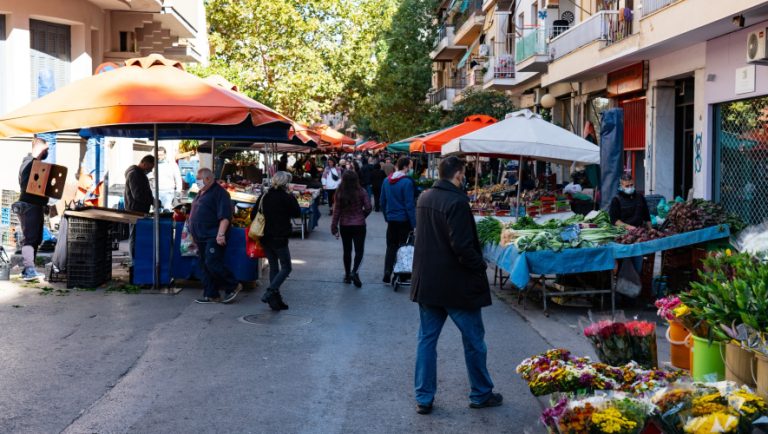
<point>150,97</point>
<point>530,251</point>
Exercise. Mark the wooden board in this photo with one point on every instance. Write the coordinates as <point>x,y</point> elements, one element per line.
<point>47,180</point>
<point>110,216</point>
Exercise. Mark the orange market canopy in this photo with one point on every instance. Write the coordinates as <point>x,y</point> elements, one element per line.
<point>149,91</point>
<point>433,143</point>
<point>332,138</point>
<point>366,145</point>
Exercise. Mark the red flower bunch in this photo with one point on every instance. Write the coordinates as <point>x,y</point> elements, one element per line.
<point>641,328</point>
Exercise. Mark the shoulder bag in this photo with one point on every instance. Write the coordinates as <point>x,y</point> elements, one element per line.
<point>256,230</point>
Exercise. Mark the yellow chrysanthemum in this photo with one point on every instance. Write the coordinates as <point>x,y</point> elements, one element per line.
<point>713,423</point>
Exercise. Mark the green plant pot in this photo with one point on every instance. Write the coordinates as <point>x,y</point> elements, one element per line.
<point>707,361</point>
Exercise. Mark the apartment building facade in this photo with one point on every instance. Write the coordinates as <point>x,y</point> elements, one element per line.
<point>46,44</point>
<point>691,76</point>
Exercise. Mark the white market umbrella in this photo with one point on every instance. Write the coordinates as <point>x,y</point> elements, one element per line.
<point>525,134</point>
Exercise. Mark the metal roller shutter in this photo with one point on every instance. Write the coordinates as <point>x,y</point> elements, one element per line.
<point>50,46</point>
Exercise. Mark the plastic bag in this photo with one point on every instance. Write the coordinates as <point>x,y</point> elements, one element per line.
<point>187,245</point>
<point>628,280</point>
<point>253,248</point>
<point>662,209</point>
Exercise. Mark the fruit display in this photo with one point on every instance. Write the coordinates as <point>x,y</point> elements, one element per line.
<point>304,198</point>
<point>241,218</point>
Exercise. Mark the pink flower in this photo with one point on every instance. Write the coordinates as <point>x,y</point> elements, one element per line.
<point>641,328</point>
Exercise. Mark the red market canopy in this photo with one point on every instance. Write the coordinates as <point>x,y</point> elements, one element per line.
<point>434,142</point>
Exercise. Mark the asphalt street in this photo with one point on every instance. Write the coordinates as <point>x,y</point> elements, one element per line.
<point>341,360</point>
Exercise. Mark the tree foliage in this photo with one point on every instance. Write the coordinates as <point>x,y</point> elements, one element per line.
<point>396,104</point>
<point>302,57</point>
<point>480,102</point>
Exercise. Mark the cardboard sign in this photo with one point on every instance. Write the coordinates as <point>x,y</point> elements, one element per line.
<point>47,180</point>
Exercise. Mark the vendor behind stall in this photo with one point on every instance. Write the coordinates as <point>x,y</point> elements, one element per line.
<point>628,208</point>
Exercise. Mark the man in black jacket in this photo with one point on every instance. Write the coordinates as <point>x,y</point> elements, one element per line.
<point>449,280</point>
<point>138,195</point>
<point>31,211</point>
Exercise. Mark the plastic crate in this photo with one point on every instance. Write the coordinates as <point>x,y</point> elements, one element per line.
<point>80,229</point>
<point>87,277</point>
<point>653,202</point>
<point>78,251</point>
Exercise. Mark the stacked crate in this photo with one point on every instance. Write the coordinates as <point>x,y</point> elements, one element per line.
<point>9,222</point>
<point>89,252</point>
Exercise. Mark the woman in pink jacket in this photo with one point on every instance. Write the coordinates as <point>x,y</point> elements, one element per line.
<point>350,210</point>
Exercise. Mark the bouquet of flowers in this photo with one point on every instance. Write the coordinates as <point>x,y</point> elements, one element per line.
<point>642,338</point>
<point>558,371</point>
<point>710,408</point>
<point>617,414</point>
<point>610,341</point>
<point>666,307</point>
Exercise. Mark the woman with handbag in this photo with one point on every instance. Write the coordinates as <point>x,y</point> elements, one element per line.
<point>277,207</point>
<point>351,208</point>
<point>330,180</point>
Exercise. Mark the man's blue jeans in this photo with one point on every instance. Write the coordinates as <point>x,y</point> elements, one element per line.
<point>470,323</point>
<point>214,273</point>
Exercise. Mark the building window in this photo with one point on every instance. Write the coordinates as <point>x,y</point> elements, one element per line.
<point>741,158</point>
<point>50,46</point>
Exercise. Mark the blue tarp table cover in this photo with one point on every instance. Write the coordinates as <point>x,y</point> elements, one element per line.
<point>520,265</point>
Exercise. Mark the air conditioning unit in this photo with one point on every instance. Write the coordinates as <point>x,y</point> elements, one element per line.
<point>756,47</point>
<point>483,50</point>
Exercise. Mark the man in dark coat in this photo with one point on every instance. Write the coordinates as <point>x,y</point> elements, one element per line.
<point>449,280</point>
<point>138,194</point>
<point>31,211</point>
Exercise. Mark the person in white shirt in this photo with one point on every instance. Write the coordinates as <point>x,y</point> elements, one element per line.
<point>170,179</point>
<point>331,180</point>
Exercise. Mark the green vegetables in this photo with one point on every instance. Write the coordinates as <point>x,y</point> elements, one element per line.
<point>489,230</point>
<point>699,214</point>
<point>525,223</point>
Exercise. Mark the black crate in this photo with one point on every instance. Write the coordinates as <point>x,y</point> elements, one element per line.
<point>89,251</point>
<point>86,277</point>
<point>80,229</point>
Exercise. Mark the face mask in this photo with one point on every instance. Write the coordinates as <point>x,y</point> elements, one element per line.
<point>200,183</point>
<point>628,190</point>
<point>410,172</point>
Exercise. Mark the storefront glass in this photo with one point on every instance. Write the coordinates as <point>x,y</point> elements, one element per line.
<point>741,158</point>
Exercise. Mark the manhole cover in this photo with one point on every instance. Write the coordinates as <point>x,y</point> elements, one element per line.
<point>278,319</point>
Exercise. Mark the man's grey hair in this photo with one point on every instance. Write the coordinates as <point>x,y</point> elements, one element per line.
<point>205,173</point>
<point>281,179</point>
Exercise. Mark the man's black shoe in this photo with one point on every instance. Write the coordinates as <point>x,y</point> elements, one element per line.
<point>356,280</point>
<point>387,278</point>
<point>493,401</point>
<point>280,301</point>
<point>347,278</point>
<point>423,409</point>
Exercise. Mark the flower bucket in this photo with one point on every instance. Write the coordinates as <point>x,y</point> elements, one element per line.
<point>679,341</point>
<point>738,364</point>
<point>707,362</point>
<point>761,375</point>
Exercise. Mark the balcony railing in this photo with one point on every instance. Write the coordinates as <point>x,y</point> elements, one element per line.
<point>603,26</point>
<point>502,66</point>
<point>533,43</point>
<point>651,6</point>
<point>505,46</point>
<point>445,93</point>
<point>463,16</point>
<point>442,33</point>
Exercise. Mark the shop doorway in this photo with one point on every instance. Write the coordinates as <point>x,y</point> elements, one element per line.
<point>684,155</point>
<point>634,139</point>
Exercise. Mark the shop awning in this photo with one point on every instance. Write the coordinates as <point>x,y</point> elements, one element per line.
<point>433,143</point>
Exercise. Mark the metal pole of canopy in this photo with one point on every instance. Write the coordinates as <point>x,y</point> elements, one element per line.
<point>156,225</point>
<point>519,188</point>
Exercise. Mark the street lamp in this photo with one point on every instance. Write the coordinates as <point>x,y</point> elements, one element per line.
<point>547,101</point>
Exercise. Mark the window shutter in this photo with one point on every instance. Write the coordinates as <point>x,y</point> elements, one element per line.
<point>3,64</point>
<point>50,55</point>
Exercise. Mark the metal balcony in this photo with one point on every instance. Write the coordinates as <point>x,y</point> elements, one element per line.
<point>603,26</point>
<point>469,22</point>
<point>445,49</point>
<point>442,97</point>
